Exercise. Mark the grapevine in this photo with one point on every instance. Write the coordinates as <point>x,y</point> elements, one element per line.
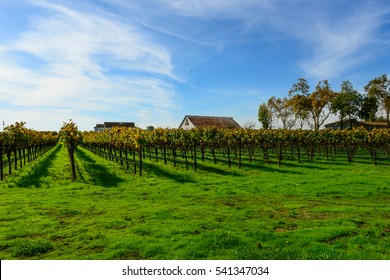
<point>20,145</point>
<point>232,143</point>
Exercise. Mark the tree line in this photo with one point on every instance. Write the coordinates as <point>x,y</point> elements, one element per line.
<point>312,108</point>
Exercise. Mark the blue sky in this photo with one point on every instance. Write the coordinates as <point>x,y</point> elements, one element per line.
<point>154,61</point>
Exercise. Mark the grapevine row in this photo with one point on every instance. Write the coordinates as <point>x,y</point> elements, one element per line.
<point>20,145</point>
<point>232,143</point>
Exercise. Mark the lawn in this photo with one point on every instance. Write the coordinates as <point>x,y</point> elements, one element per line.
<point>325,210</point>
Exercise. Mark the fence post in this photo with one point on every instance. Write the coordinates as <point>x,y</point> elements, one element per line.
<point>1,160</point>
<point>140,161</point>
<point>194,157</point>
<point>72,163</point>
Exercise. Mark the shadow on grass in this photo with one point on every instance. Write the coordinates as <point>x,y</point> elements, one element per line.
<point>101,175</point>
<point>157,170</point>
<point>255,165</point>
<point>217,170</point>
<point>41,169</point>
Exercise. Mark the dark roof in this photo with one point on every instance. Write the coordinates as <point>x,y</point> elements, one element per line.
<point>122,124</point>
<point>356,123</point>
<point>207,121</point>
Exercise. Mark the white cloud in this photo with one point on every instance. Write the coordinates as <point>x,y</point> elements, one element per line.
<point>81,37</point>
<point>233,9</point>
<point>123,59</point>
<point>339,45</point>
<point>84,62</point>
<point>333,36</point>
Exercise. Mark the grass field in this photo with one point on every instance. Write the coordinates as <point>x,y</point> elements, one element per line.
<point>325,210</point>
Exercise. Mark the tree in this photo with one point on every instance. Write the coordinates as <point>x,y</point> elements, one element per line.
<point>314,106</point>
<point>319,103</point>
<point>300,87</point>
<point>368,108</point>
<point>380,88</point>
<point>347,103</point>
<point>282,109</point>
<point>71,137</point>
<point>249,125</point>
<point>299,102</point>
<point>265,116</point>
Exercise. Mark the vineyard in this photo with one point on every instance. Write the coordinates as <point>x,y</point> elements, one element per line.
<point>20,145</point>
<point>256,194</point>
<point>131,146</point>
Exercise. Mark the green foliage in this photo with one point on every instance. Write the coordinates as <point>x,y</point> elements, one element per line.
<point>283,110</point>
<point>369,108</point>
<point>347,102</point>
<point>70,135</point>
<point>238,140</point>
<point>17,136</point>
<point>314,106</point>
<point>380,88</point>
<point>265,116</point>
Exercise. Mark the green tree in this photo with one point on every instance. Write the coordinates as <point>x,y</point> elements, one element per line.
<point>369,108</point>
<point>380,88</point>
<point>311,107</point>
<point>299,102</point>
<point>265,116</point>
<point>319,103</point>
<point>283,110</point>
<point>347,103</point>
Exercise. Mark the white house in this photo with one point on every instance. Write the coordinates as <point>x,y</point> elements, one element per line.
<point>190,121</point>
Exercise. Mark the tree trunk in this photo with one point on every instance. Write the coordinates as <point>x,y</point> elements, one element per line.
<point>72,164</point>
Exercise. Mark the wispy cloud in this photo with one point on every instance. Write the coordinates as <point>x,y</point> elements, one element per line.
<point>336,45</point>
<point>334,36</point>
<point>85,61</point>
<point>129,60</point>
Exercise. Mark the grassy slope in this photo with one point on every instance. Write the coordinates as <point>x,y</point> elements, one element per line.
<point>326,210</point>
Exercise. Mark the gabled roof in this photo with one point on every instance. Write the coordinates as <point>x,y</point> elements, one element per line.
<point>110,125</point>
<point>122,124</point>
<point>355,123</point>
<point>207,121</point>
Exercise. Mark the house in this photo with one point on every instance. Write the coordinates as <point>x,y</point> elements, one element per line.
<point>355,123</point>
<point>190,121</point>
<point>110,125</point>
<point>99,127</point>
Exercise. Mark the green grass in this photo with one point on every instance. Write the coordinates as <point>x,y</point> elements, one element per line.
<point>325,210</point>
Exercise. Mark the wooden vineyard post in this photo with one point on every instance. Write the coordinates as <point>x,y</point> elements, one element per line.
<point>165,154</point>
<point>239,153</point>
<point>20,158</point>
<point>15,158</point>
<point>1,160</point>
<point>185,156</point>
<point>134,163</point>
<point>140,161</point>
<point>194,157</point>
<point>127,160</point>
<point>9,162</point>
<point>72,164</point>
<point>228,154</point>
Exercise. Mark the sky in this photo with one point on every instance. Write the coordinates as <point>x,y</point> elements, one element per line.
<point>154,61</point>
